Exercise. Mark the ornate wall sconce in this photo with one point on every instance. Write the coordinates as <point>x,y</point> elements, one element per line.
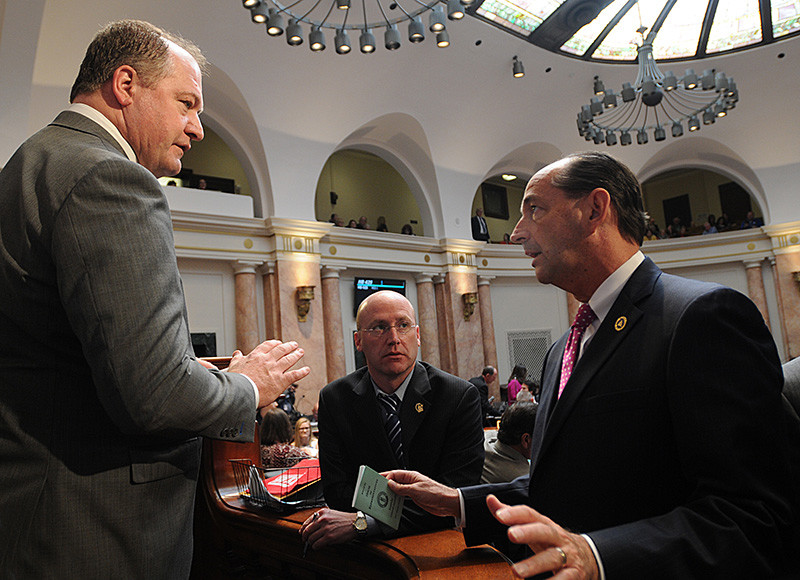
<point>470,300</point>
<point>796,276</point>
<point>305,294</point>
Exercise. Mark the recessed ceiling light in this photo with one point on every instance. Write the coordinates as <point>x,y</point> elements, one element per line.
<point>509,177</point>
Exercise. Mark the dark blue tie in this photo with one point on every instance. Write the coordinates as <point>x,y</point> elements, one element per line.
<point>391,404</point>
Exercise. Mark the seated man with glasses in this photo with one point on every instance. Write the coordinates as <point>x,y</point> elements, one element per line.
<point>432,423</point>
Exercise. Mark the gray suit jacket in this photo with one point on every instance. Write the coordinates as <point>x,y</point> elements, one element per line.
<point>667,446</point>
<point>101,398</point>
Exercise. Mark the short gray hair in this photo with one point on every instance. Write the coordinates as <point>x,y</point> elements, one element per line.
<point>129,42</point>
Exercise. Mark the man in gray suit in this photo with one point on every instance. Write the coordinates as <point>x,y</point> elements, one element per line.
<point>101,397</point>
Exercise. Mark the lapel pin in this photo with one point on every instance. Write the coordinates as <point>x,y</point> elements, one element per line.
<point>419,408</point>
<point>620,323</point>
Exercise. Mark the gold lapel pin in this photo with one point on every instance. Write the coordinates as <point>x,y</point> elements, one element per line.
<point>419,408</point>
<point>620,323</point>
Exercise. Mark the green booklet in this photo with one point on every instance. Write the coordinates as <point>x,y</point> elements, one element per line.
<point>373,497</point>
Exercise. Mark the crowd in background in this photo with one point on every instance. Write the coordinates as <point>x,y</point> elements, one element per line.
<point>363,224</point>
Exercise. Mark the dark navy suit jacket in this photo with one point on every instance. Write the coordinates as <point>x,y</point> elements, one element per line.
<point>442,436</point>
<point>667,446</point>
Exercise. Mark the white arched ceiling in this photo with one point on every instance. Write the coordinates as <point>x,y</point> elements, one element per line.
<point>229,115</point>
<point>400,140</point>
<point>704,153</point>
<point>525,160</point>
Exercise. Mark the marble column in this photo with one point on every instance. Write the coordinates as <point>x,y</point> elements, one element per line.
<point>426,318</point>
<point>445,338</point>
<point>755,287</point>
<point>487,329</point>
<point>779,300</point>
<point>466,345</point>
<point>272,303</point>
<point>787,267</point>
<point>246,308</point>
<point>332,321</point>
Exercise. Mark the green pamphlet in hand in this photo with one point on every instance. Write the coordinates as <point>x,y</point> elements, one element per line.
<point>374,497</point>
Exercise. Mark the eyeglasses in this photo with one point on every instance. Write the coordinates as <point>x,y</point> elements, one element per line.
<point>379,330</point>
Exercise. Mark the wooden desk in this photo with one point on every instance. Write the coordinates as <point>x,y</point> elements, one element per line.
<point>234,539</point>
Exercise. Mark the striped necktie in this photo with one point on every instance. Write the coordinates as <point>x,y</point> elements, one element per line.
<point>391,405</point>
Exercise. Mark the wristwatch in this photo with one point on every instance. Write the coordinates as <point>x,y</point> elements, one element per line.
<point>360,524</point>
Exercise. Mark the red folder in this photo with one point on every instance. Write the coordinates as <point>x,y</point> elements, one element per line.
<point>293,479</point>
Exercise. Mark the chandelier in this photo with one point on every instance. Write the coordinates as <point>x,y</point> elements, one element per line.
<point>654,102</point>
<point>340,18</point>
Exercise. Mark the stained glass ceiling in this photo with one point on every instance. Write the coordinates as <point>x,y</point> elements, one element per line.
<point>606,30</point>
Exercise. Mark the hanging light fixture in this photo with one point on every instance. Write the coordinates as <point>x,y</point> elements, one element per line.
<point>334,14</point>
<point>516,68</point>
<point>654,101</point>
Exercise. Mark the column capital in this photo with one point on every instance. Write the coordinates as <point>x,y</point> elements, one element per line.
<point>753,263</point>
<point>485,280</point>
<point>438,279</point>
<point>331,271</point>
<point>424,277</point>
<point>267,268</point>
<point>245,266</point>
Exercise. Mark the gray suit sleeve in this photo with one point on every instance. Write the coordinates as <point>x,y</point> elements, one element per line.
<point>119,282</point>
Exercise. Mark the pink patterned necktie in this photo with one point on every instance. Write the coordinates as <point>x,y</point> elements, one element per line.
<point>583,319</point>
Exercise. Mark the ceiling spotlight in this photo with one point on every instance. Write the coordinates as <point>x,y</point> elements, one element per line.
<point>454,10</point>
<point>416,33</point>
<point>250,3</point>
<point>436,20</point>
<point>391,38</point>
<point>367,41</point>
<point>442,39</point>
<point>274,23</point>
<point>342,41</point>
<point>259,13</point>
<point>343,4</point>
<point>689,79</point>
<point>516,68</point>
<point>316,39</point>
<point>294,34</point>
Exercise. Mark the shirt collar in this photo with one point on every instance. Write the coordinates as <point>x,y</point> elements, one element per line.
<point>105,123</point>
<point>607,293</point>
<point>401,390</point>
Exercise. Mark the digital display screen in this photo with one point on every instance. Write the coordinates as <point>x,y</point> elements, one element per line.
<point>366,286</point>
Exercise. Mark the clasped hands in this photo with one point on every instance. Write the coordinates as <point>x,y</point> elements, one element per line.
<point>555,549</point>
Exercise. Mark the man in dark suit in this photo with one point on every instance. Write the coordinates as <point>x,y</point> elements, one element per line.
<point>480,231</point>
<point>441,433</point>
<point>488,375</point>
<point>662,453</point>
<point>101,397</point>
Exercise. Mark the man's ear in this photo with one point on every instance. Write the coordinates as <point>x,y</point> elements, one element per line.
<point>526,441</point>
<point>124,83</point>
<point>599,206</point>
<point>357,339</point>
